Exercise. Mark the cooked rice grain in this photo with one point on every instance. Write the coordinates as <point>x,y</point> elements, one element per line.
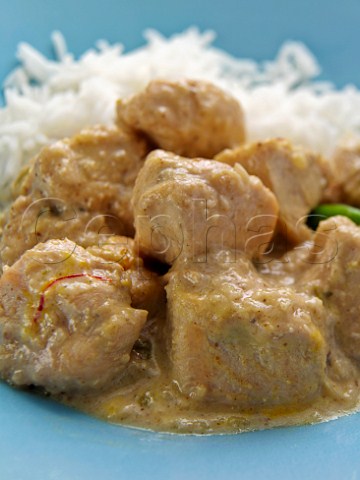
<point>46,100</point>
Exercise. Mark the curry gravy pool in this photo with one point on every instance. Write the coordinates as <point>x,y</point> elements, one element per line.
<point>160,272</point>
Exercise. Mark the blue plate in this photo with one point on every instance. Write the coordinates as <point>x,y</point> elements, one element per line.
<point>42,440</point>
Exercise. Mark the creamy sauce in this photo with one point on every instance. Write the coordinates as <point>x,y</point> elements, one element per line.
<point>147,397</point>
<point>156,404</point>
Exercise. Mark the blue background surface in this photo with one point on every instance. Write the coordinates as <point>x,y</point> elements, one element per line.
<point>249,28</point>
<point>41,440</point>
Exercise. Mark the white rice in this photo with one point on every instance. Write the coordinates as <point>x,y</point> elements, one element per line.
<point>47,100</point>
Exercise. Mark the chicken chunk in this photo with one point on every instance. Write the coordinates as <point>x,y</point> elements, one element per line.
<point>75,188</point>
<point>334,275</point>
<point>30,221</point>
<point>346,175</point>
<point>191,118</point>
<point>292,174</point>
<point>66,320</point>
<point>94,171</point>
<point>188,207</point>
<point>237,339</point>
<point>146,287</point>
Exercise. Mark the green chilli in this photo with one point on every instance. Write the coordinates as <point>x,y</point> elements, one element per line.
<point>322,212</point>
